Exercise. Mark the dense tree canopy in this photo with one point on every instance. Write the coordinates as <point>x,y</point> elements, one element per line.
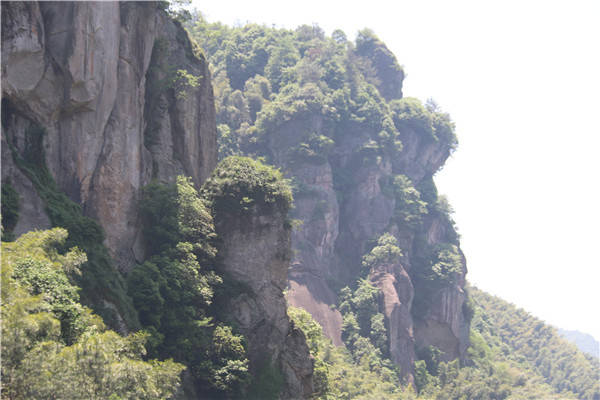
<point>55,348</point>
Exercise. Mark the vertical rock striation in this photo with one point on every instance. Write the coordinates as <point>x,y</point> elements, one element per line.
<point>114,116</point>
<point>346,201</point>
<point>250,203</point>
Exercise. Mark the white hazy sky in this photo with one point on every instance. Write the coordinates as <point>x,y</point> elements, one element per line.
<point>521,79</point>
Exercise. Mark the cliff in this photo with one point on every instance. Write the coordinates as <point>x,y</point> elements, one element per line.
<point>100,99</point>
<point>331,114</point>
<point>250,203</point>
<point>94,78</point>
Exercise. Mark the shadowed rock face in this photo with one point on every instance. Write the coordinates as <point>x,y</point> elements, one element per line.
<point>92,76</point>
<point>341,220</point>
<point>255,251</point>
<point>109,86</point>
<point>396,297</point>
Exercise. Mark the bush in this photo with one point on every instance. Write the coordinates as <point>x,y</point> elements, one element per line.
<point>52,346</point>
<point>10,210</point>
<point>386,252</point>
<point>239,184</point>
<point>267,384</point>
<point>410,113</point>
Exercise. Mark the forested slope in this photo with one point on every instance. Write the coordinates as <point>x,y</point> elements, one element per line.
<point>330,113</point>
<point>516,336</point>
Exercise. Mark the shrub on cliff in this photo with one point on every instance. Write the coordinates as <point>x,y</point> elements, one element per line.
<point>10,210</point>
<point>240,183</point>
<point>409,112</point>
<point>173,289</point>
<point>386,252</point>
<point>174,213</point>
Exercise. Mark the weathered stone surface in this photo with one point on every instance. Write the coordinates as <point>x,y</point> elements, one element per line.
<point>314,243</point>
<point>32,213</point>
<point>421,155</point>
<point>255,251</point>
<point>339,228</point>
<point>396,297</point>
<point>80,71</point>
<point>443,324</point>
<point>311,293</point>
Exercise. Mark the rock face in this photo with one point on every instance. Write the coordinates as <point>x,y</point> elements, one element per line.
<point>255,252</point>
<point>344,207</point>
<point>111,96</point>
<point>93,75</point>
<point>397,293</point>
<point>314,244</point>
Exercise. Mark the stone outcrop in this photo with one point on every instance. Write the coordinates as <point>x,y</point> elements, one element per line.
<point>344,208</point>
<point>255,252</point>
<point>314,245</point>
<point>397,294</point>
<point>93,75</point>
<point>111,96</point>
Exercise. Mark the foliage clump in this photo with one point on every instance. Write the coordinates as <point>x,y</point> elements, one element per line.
<point>341,373</point>
<point>386,252</point>
<point>426,120</point>
<point>52,346</point>
<point>173,289</point>
<point>239,184</point>
<point>10,210</point>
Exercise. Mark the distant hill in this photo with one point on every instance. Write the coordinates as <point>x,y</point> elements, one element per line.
<point>523,341</point>
<point>583,341</point>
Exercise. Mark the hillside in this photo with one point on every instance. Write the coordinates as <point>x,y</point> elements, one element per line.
<point>197,211</point>
<point>583,341</point>
<point>516,336</point>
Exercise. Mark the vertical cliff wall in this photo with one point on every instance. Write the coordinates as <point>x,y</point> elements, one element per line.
<point>331,114</point>
<point>250,203</point>
<point>107,86</point>
<point>98,100</point>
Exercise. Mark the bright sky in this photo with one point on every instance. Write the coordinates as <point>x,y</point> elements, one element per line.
<point>521,79</point>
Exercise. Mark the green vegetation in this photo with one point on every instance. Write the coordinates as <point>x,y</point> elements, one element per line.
<point>298,99</point>
<point>268,383</point>
<point>437,267</point>
<point>409,208</point>
<point>269,82</point>
<point>239,184</point>
<point>386,252</point>
<point>10,210</point>
<point>512,355</point>
<point>173,289</point>
<point>516,336</point>
<point>52,346</point>
<point>100,281</point>
<point>342,374</point>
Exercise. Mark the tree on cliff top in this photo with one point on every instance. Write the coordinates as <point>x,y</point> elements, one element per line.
<point>240,183</point>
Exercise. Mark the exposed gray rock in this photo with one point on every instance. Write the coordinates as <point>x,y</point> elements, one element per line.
<point>396,297</point>
<point>337,230</point>
<point>32,213</point>
<point>255,252</point>
<point>421,156</point>
<point>80,71</point>
<point>442,325</point>
<point>314,243</point>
